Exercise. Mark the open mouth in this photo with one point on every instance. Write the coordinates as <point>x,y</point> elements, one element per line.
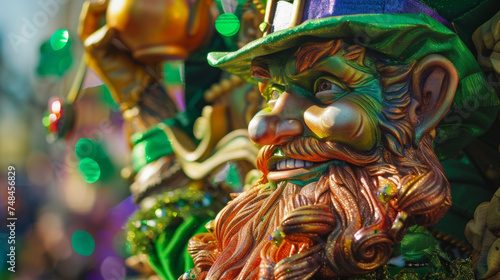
<point>282,168</point>
<point>291,163</point>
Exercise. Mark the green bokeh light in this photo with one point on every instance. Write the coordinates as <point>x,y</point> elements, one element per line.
<point>83,243</point>
<point>85,148</point>
<point>227,24</point>
<point>59,39</point>
<point>54,62</point>
<point>46,120</point>
<point>89,169</point>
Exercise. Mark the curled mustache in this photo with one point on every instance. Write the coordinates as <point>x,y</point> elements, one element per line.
<point>312,149</point>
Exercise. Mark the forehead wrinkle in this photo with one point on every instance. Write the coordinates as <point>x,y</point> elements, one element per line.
<point>289,70</point>
<point>276,70</point>
<point>361,68</point>
<point>359,76</point>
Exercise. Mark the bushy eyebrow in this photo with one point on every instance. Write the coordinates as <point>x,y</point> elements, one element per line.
<point>310,53</point>
<point>260,68</point>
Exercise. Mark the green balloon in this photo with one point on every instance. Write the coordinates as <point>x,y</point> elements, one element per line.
<point>227,24</point>
<point>83,243</point>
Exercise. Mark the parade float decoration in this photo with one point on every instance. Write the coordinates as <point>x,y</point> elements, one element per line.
<point>364,101</point>
<point>372,160</point>
<point>186,121</point>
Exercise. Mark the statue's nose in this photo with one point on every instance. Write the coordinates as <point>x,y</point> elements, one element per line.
<point>279,125</point>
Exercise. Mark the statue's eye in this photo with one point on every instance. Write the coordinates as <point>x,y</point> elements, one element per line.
<point>327,90</point>
<point>275,94</point>
<point>273,97</point>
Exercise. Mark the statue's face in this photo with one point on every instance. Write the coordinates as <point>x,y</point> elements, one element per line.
<point>334,99</point>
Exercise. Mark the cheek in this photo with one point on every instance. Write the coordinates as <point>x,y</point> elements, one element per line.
<point>343,122</point>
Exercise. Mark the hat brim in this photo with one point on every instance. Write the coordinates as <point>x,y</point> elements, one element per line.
<point>391,34</point>
<point>403,38</point>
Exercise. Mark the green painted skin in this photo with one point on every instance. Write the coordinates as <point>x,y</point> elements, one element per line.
<point>357,85</point>
<point>357,96</point>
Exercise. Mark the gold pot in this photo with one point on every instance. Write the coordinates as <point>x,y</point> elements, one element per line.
<point>156,30</point>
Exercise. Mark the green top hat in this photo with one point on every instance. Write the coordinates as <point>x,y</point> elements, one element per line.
<point>402,37</point>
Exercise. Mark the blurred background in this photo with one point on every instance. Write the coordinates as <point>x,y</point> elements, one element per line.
<point>71,198</point>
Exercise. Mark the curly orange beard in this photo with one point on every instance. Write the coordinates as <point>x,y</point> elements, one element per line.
<point>337,226</point>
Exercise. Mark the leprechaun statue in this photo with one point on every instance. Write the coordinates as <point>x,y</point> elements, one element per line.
<point>364,100</point>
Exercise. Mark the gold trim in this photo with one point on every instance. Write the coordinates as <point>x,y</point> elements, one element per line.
<point>298,8</point>
<point>77,81</point>
<point>270,7</point>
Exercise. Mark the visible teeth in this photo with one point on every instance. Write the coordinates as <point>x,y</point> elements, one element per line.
<point>292,163</point>
<point>281,164</point>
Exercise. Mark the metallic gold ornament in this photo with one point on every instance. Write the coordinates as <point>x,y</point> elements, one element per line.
<point>161,29</point>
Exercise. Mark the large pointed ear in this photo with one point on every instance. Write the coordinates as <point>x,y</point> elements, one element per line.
<point>434,82</point>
